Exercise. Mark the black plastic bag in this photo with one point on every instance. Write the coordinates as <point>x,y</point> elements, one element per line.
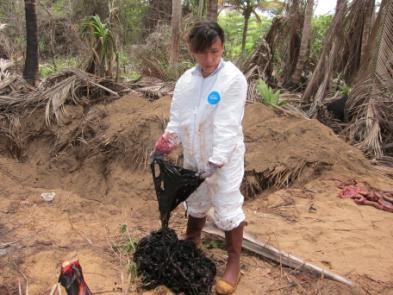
<point>173,185</point>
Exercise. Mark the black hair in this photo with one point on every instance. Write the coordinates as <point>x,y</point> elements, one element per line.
<point>203,34</point>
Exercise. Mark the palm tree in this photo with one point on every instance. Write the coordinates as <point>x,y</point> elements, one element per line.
<point>249,7</point>
<point>306,35</point>
<point>370,103</point>
<point>175,23</point>
<point>318,85</point>
<point>295,23</point>
<point>212,7</point>
<point>103,46</point>
<point>342,52</point>
<point>30,72</point>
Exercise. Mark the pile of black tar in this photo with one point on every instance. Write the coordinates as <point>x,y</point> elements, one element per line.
<point>162,259</point>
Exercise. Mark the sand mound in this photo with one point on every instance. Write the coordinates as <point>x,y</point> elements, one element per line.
<point>96,163</point>
<point>97,143</point>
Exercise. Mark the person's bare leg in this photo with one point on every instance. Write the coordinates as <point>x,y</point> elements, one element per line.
<point>194,229</point>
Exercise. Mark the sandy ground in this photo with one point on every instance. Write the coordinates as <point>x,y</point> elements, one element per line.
<point>95,162</point>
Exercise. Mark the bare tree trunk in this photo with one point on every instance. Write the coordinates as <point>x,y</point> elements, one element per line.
<point>176,19</point>
<point>212,10</point>
<point>201,8</point>
<point>367,28</point>
<point>339,3</point>
<point>356,31</point>
<point>247,14</point>
<point>30,72</point>
<point>306,35</point>
<point>293,45</point>
<point>319,82</point>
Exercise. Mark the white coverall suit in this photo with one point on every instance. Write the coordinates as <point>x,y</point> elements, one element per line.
<point>206,115</point>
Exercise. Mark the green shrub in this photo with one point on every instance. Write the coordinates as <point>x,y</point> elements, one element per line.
<point>343,88</point>
<point>268,95</point>
<point>47,69</point>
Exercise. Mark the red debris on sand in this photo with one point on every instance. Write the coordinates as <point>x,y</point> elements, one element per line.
<point>364,194</point>
<point>71,278</point>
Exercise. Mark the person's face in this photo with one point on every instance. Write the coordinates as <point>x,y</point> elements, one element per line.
<point>210,58</point>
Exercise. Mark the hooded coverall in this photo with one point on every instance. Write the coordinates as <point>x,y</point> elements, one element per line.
<point>206,115</point>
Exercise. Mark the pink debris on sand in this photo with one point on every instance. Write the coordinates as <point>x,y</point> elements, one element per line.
<point>364,194</point>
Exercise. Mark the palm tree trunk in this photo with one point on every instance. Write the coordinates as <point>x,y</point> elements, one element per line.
<point>319,82</point>
<point>367,28</point>
<point>30,72</point>
<point>176,19</point>
<point>201,8</point>
<point>212,10</point>
<point>306,35</point>
<point>247,15</point>
<point>294,42</point>
<point>370,103</point>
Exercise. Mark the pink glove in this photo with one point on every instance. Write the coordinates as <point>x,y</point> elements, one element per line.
<point>166,143</point>
<point>210,170</point>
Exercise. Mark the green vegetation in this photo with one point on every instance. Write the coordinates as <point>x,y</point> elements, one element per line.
<point>126,248</point>
<point>320,25</point>
<point>211,243</point>
<point>103,46</point>
<point>47,69</point>
<point>343,88</point>
<point>232,23</point>
<point>269,97</point>
<point>130,16</point>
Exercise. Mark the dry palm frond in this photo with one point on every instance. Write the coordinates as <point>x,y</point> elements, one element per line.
<point>5,48</point>
<point>256,65</point>
<point>153,88</point>
<point>71,85</point>
<point>278,176</point>
<point>88,132</point>
<point>10,131</point>
<point>57,96</point>
<point>370,104</point>
<point>4,66</point>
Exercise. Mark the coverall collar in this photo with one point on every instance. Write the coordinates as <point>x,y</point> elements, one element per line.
<point>197,69</point>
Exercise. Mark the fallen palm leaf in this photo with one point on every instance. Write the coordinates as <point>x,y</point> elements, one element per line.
<point>279,176</point>
<point>278,256</point>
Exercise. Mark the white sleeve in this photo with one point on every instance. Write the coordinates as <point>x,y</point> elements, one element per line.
<point>228,121</point>
<point>174,117</point>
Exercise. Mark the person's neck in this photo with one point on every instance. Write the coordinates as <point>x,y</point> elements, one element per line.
<point>205,74</point>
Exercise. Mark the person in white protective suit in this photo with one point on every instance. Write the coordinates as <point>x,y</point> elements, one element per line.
<point>206,118</point>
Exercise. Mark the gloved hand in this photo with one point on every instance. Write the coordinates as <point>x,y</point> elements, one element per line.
<point>165,144</point>
<point>210,170</point>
